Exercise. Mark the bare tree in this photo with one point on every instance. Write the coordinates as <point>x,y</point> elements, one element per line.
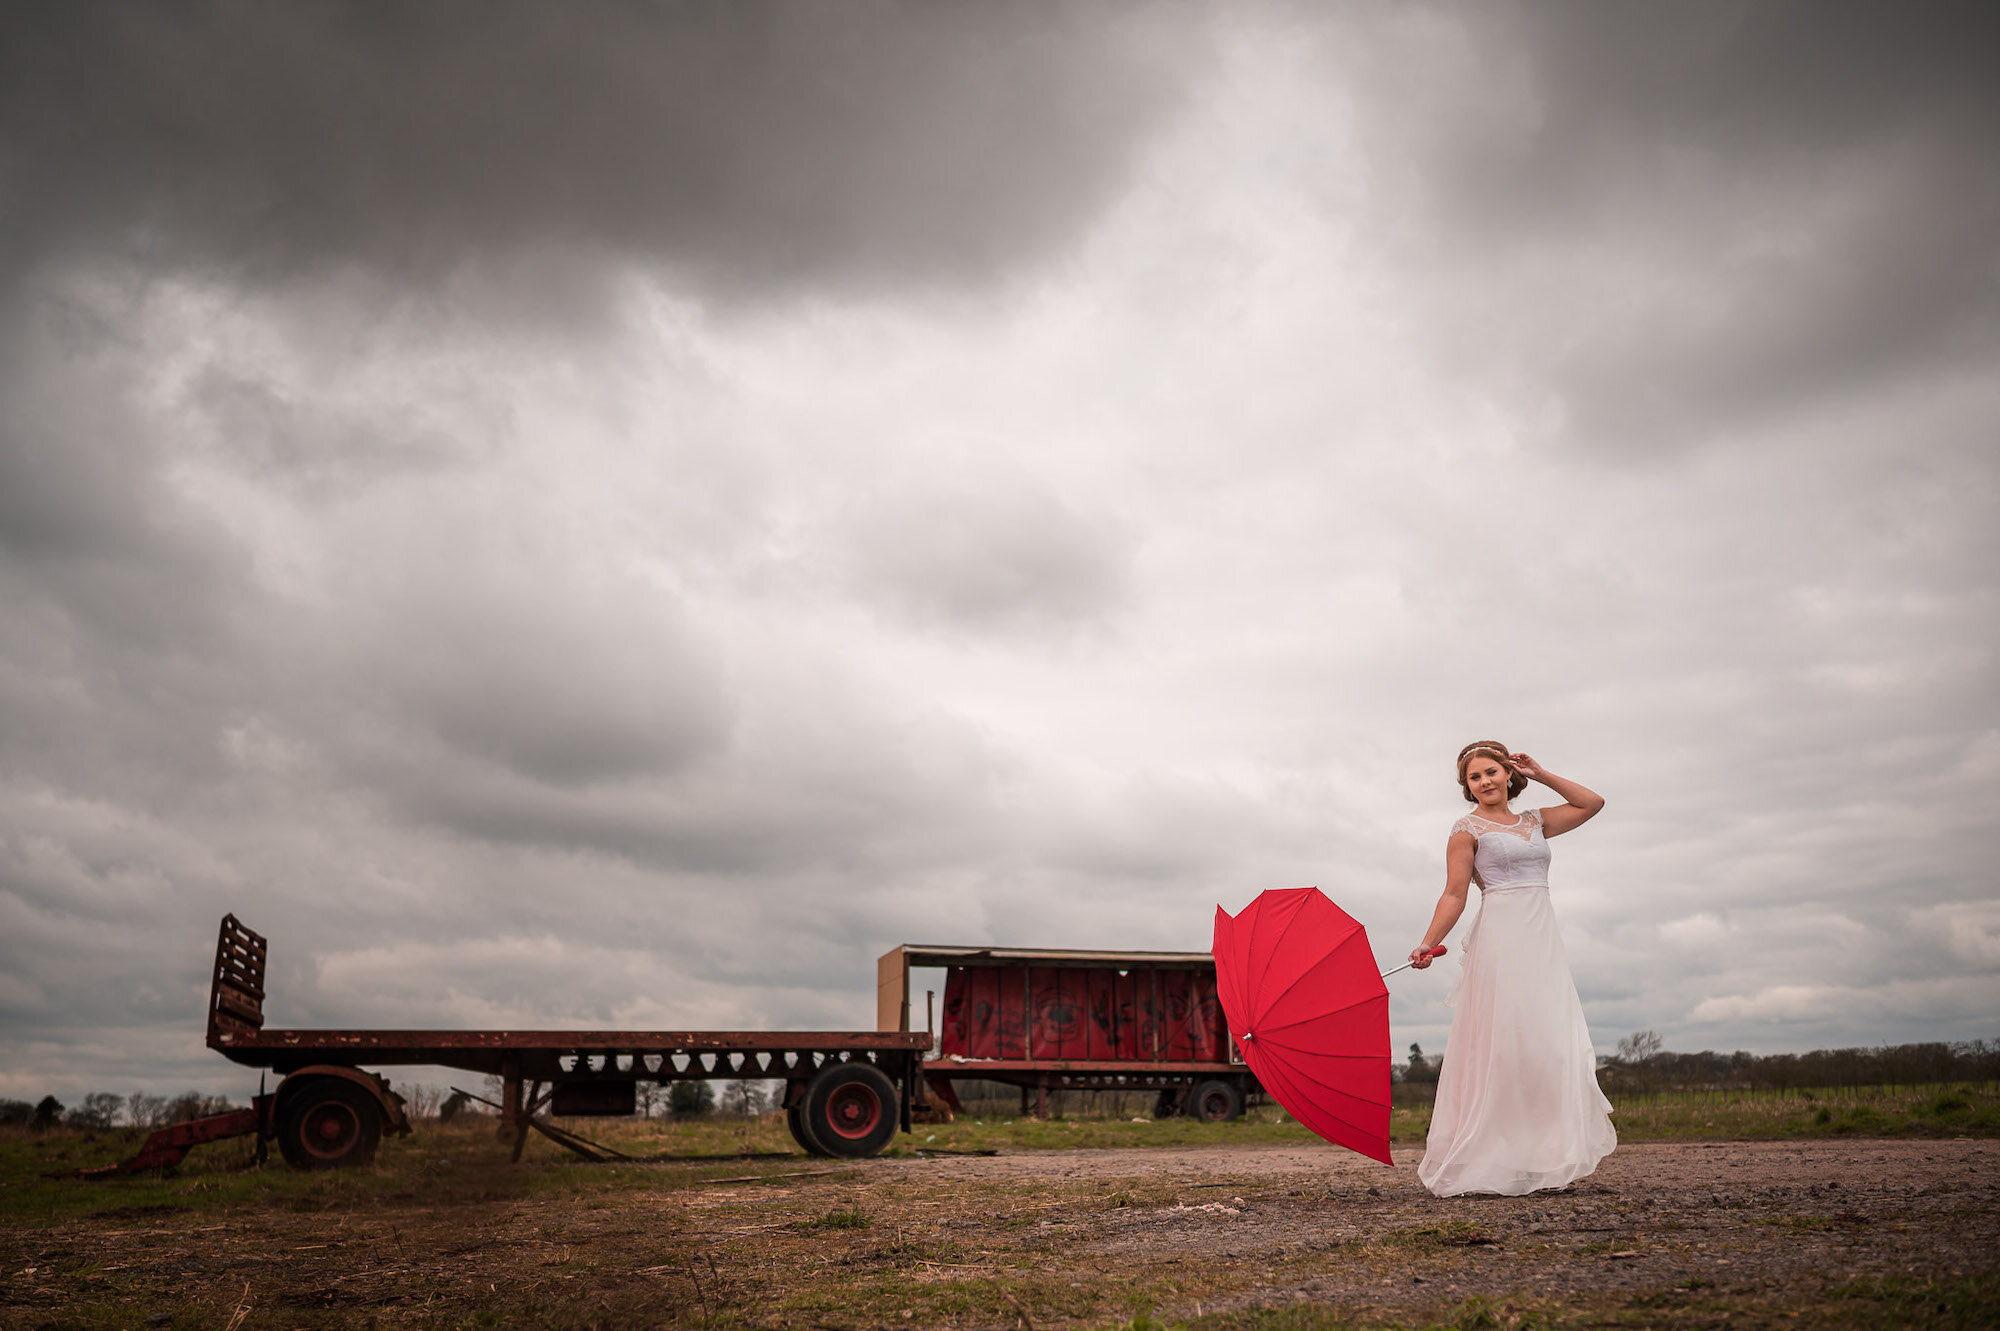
<point>96,1111</point>
<point>1640,1046</point>
<point>195,1104</point>
<point>744,1099</point>
<point>146,1111</point>
<point>690,1099</point>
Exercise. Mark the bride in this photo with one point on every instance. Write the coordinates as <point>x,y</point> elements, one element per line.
<point>1518,1107</point>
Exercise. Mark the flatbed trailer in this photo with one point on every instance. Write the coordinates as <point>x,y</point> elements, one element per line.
<point>1048,1020</point>
<point>1044,1020</point>
<point>846,1092</point>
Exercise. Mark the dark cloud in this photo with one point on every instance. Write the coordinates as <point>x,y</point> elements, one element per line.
<point>1670,217</point>
<point>510,664</point>
<point>743,147</point>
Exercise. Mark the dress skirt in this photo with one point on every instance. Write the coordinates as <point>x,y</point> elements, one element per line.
<point>1518,1106</point>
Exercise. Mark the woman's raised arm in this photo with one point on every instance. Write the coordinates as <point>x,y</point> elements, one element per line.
<point>1580,805</point>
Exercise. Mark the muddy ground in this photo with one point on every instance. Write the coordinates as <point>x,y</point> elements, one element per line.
<point>1863,1233</point>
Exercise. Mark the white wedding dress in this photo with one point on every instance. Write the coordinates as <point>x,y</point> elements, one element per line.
<point>1518,1107</point>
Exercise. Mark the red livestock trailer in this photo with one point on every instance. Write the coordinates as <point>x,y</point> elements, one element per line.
<point>1054,1019</point>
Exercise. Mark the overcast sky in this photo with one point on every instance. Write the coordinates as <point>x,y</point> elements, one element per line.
<point>617,514</point>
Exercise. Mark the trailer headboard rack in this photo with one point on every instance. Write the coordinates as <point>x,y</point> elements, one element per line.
<point>236,994</point>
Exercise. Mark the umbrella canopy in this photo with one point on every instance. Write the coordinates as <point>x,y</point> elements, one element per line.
<point>1298,983</point>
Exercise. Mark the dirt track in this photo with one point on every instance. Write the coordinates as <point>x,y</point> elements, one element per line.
<point>1664,1234</point>
<point>1774,1216</point>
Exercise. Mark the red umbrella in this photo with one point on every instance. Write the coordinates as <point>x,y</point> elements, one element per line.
<point>1298,983</point>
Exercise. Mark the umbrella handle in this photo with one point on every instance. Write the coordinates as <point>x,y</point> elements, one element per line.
<point>1437,951</point>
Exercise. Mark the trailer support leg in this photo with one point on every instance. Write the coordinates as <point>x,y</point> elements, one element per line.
<point>512,1130</point>
<point>531,1104</point>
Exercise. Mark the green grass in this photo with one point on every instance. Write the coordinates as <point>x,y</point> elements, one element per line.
<point>1904,1111</point>
<point>1963,1303</point>
<point>846,1218</point>
<point>1947,1305</point>
<point>1920,1111</point>
<point>463,1162</point>
<point>454,1164</point>
<point>843,1245</point>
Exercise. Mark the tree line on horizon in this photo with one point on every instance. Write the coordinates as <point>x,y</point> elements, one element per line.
<point>102,1110</point>
<point>1643,1063</point>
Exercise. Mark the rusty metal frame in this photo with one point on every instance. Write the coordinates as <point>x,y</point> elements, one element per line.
<point>166,1147</point>
<point>394,1117</point>
<point>236,990</point>
<point>662,1056</point>
<point>530,1064</point>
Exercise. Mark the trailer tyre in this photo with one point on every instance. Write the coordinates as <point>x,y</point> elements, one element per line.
<point>850,1109</point>
<point>1215,1101</point>
<point>795,1119</point>
<point>1167,1103</point>
<point>329,1124</point>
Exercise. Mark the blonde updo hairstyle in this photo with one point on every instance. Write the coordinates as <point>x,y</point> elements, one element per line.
<point>1490,748</point>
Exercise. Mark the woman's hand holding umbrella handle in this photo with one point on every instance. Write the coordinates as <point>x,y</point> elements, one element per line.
<point>1420,957</point>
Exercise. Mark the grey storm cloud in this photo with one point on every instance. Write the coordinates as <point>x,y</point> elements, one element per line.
<point>619,512</point>
<point>758,147</point>
<point>1675,215</point>
<point>985,553</point>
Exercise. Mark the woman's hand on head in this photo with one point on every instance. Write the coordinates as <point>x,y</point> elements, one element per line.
<point>1526,766</point>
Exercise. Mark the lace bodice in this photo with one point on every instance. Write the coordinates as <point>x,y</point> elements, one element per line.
<point>1509,855</point>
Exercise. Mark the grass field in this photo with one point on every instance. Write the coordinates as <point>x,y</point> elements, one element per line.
<point>1950,1110</point>
<point>215,1175</point>
<point>444,1232</point>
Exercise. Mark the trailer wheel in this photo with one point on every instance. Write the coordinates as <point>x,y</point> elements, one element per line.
<point>850,1109</point>
<point>1167,1103</point>
<point>1215,1101</point>
<point>795,1119</point>
<point>329,1124</point>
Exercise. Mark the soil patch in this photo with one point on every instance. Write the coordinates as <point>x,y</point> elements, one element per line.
<point>1813,1233</point>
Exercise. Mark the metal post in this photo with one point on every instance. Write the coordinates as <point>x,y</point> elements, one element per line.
<point>511,1128</point>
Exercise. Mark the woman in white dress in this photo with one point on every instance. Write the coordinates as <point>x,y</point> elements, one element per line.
<point>1518,1107</point>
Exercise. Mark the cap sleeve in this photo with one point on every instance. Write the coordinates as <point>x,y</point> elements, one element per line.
<point>1465,824</point>
<point>1535,818</point>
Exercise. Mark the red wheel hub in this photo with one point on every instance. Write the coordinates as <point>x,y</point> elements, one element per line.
<point>853,1111</point>
<point>330,1129</point>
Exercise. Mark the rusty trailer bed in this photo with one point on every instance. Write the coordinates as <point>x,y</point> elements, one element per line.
<point>647,1055</point>
<point>846,1092</point>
